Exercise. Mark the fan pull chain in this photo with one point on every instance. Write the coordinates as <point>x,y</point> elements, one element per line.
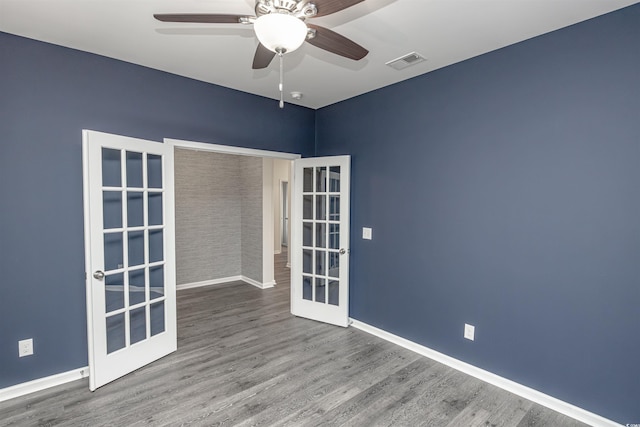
<point>281,80</point>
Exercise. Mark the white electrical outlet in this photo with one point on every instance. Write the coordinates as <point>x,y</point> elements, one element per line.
<point>366,233</point>
<point>469,332</point>
<point>25,347</point>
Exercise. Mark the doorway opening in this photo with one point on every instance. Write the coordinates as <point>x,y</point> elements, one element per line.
<point>228,213</point>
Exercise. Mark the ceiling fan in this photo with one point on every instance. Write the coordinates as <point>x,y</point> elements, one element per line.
<point>280,27</point>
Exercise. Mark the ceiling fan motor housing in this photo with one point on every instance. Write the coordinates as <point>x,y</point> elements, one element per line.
<point>298,8</point>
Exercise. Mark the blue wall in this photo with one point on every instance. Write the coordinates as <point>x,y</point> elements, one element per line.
<point>48,94</point>
<point>504,192</point>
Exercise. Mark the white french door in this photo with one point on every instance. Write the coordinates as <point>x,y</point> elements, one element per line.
<point>320,239</point>
<point>130,253</point>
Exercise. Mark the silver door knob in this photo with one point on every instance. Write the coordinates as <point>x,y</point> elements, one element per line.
<point>98,274</point>
<point>343,251</point>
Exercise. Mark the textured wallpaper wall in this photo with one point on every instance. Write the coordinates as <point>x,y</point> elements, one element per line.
<point>218,216</point>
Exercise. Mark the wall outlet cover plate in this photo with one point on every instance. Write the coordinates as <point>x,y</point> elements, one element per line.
<point>469,332</point>
<point>25,347</point>
<point>367,233</point>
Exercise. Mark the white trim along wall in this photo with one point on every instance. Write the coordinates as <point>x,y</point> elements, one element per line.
<point>225,280</point>
<point>240,151</point>
<point>39,384</point>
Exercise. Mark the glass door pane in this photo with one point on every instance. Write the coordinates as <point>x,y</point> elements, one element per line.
<point>321,231</point>
<point>133,239</point>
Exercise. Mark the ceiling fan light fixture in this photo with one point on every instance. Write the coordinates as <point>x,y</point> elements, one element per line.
<point>280,32</point>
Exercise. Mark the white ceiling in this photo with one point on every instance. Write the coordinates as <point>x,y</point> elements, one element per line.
<point>444,31</point>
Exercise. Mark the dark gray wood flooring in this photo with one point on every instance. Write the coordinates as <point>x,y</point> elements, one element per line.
<point>243,360</point>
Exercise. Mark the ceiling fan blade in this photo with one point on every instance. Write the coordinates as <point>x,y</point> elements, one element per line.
<point>262,58</point>
<point>335,43</point>
<point>206,18</point>
<point>327,7</point>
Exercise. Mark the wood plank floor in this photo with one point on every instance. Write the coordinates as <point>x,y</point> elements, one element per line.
<point>243,360</point>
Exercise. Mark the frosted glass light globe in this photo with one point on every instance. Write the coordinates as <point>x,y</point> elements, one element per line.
<point>280,32</point>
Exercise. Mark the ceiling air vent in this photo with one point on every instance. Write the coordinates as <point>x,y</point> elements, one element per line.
<point>405,61</point>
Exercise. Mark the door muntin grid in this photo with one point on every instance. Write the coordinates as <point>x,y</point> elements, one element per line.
<point>321,234</point>
<point>133,239</point>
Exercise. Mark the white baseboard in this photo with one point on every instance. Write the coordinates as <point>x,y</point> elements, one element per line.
<point>42,383</point>
<point>491,378</point>
<point>208,282</point>
<point>224,280</point>
<point>265,285</point>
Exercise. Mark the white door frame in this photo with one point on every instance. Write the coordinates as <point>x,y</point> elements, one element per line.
<point>284,213</point>
<point>228,149</point>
